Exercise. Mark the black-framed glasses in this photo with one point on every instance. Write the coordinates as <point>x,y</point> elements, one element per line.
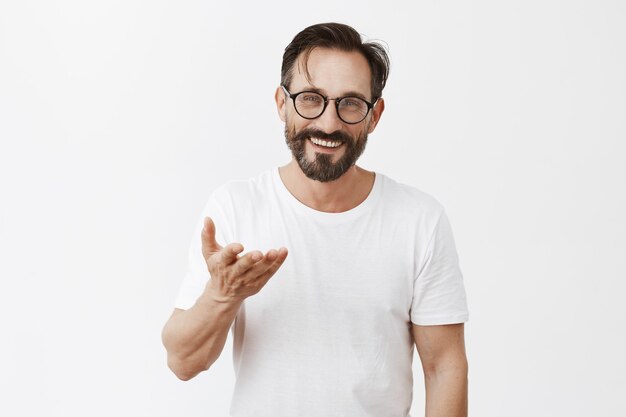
<point>311,105</point>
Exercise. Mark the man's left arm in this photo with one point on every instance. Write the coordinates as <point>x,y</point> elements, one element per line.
<point>442,351</point>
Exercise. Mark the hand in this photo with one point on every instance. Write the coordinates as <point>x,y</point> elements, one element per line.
<point>234,277</point>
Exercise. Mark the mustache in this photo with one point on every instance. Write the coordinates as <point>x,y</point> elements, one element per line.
<point>316,133</point>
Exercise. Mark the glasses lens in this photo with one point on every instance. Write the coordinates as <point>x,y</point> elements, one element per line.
<point>309,104</point>
<point>352,109</point>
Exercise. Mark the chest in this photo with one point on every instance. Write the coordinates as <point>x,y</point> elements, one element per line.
<point>334,272</point>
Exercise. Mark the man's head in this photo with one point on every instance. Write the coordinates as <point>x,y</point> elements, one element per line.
<point>330,59</point>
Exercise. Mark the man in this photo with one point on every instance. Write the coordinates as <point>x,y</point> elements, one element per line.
<point>372,265</point>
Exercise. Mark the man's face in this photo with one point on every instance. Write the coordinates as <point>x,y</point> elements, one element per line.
<point>326,147</point>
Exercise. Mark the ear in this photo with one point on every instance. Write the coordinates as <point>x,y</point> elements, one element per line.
<point>281,103</point>
<point>377,111</point>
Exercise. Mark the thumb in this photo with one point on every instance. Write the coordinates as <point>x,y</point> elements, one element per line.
<point>209,244</point>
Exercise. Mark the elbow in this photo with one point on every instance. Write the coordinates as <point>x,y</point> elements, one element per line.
<point>181,373</point>
<point>184,370</point>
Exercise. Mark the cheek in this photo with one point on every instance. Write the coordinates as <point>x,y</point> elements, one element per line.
<point>292,126</point>
<point>370,124</point>
<point>295,123</point>
<point>357,134</point>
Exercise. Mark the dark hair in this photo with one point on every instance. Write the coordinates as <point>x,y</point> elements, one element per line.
<point>337,36</point>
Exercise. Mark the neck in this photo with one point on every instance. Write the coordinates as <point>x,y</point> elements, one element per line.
<point>342,194</point>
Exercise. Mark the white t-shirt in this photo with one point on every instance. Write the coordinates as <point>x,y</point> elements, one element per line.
<point>329,334</point>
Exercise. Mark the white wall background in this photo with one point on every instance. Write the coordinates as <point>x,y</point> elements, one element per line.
<point>118,118</point>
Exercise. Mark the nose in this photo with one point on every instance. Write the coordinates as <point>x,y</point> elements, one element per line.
<point>329,121</point>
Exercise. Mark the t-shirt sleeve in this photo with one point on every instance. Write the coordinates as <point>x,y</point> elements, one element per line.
<point>438,292</point>
<point>197,274</point>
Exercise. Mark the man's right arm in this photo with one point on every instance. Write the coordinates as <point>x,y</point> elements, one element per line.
<point>195,338</point>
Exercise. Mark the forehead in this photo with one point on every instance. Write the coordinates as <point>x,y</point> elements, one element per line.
<point>333,71</point>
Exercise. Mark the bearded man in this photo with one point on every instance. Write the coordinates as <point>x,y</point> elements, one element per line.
<point>372,269</point>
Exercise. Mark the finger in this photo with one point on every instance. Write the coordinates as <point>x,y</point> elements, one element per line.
<point>271,262</point>
<point>224,257</point>
<point>229,254</point>
<point>246,262</point>
<point>278,255</point>
<point>271,256</point>
<point>209,244</point>
<point>281,255</point>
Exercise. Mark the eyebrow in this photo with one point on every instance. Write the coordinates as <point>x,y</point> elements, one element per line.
<point>346,94</point>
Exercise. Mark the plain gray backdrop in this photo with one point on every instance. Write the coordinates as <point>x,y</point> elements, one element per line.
<point>118,118</point>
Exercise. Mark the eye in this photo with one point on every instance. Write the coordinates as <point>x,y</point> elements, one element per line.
<point>353,103</point>
<point>311,98</point>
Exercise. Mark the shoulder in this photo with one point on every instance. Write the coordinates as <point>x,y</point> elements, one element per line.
<point>244,189</point>
<point>408,199</point>
<point>237,201</point>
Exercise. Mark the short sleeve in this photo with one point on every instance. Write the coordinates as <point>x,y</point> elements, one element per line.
<point>197,274</point>
<point>438,292</point>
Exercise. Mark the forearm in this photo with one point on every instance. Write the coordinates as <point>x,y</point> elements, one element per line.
<point>195,338</point>
<point>446,391</point>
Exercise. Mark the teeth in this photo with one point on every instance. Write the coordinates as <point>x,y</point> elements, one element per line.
<point>328,144</point>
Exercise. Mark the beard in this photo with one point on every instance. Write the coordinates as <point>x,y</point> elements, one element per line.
<point>322,168</point>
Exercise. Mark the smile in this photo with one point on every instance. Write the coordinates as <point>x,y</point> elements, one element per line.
<point>325,143</point>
